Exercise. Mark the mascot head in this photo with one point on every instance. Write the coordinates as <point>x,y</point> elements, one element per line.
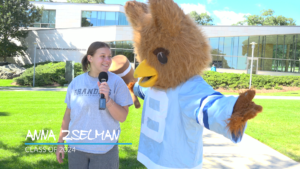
<point>170,47</point>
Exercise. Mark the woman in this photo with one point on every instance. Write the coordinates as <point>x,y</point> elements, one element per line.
<point>85,122</point>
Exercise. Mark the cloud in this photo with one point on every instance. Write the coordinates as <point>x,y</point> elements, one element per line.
<point>229,17</point>
<point>211,2</point>
<point>199,8</point>
<point>259,5</point>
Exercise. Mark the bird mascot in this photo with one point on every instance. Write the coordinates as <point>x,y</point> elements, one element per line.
<point>178,104</point>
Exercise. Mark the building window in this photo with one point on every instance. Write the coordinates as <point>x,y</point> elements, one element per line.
<point>274,52</point>
<point>47,20</point>
<point>233,52</point>
<point>122,48</point>
<point>102,18</point>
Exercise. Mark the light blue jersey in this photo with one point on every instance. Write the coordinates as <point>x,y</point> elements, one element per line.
<point>173,121</point>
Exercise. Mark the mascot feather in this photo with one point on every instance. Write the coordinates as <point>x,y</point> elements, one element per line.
<point>178,104</point>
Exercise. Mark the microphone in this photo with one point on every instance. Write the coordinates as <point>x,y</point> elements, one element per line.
<point>103,77</point>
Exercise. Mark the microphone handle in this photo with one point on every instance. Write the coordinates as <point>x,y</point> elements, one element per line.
<point>102,100</point>
<point>102,95</point>
<point>102,104</point>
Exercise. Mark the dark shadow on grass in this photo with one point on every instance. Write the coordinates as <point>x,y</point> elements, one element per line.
<point>131,159</point>
<point>16,161</point>
<point>4,114</point>
<point>30,140</point>
<point>23,150</point>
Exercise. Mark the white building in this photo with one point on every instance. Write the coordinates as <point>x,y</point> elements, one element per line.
<point>67,29</point>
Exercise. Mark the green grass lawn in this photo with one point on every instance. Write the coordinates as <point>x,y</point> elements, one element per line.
<point>278,126</point>
<point>6,82</point>
<point>22,111</point>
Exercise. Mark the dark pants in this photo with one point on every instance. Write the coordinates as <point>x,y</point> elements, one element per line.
<point>83,160</point>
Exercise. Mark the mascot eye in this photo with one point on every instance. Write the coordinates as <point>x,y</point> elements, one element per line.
<point>161,54</point>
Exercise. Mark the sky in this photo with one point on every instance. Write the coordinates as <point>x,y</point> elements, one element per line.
<point>227,12</point>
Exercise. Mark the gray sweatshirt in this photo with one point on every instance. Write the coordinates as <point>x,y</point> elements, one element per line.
<point>88,124</point>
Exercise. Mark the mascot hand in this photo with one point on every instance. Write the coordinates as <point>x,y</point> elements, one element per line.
<point>134,97</point>
<point>244,109</point>
<point>130,86</point>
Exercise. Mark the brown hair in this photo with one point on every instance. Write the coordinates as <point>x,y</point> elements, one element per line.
<point>91,51</point>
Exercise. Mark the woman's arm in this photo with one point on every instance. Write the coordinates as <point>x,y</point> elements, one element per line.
<point>117,112</point>
<point>64,126</point>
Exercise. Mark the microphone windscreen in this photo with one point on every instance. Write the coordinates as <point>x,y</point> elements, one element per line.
<point>103,75</point>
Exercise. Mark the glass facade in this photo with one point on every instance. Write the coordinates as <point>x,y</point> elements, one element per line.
<point>47,20</point>
<point>274,52</point>
<point>279,53</point>
<point>102,18</point>
<point>122,48</point>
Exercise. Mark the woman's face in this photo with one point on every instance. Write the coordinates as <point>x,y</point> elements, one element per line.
<point>101,60</point>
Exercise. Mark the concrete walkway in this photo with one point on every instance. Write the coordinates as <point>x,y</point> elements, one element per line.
<point>220,152</point>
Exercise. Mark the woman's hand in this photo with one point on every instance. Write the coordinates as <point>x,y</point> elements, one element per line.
<point>60,150</point>
<point>104,89</point>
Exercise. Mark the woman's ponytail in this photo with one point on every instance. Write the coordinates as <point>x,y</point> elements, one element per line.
<point>85,63</point>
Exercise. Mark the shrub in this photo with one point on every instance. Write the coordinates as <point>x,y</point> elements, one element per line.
<point>277,87</point>
<point>258,88</point>
<point>241,81</point>
<point>46,73</point>
<point>267,86</point>
<point>40,63</point>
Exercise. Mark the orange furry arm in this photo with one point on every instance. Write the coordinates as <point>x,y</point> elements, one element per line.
<point>244,109</point>
<point>134,97</point>
<point>130,86</point>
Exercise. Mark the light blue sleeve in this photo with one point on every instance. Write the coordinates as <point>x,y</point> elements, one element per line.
<point>208,108</point>
<point>139,90</point>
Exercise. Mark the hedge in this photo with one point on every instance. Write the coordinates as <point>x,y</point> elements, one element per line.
<point>46,73</point>
<point>241,81</point>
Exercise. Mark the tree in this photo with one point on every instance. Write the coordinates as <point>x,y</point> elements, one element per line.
<point>201,19</point>
<point>87,1</point>
<point>266,17</point>
<point>85,22</point>
<point>15,17</point>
